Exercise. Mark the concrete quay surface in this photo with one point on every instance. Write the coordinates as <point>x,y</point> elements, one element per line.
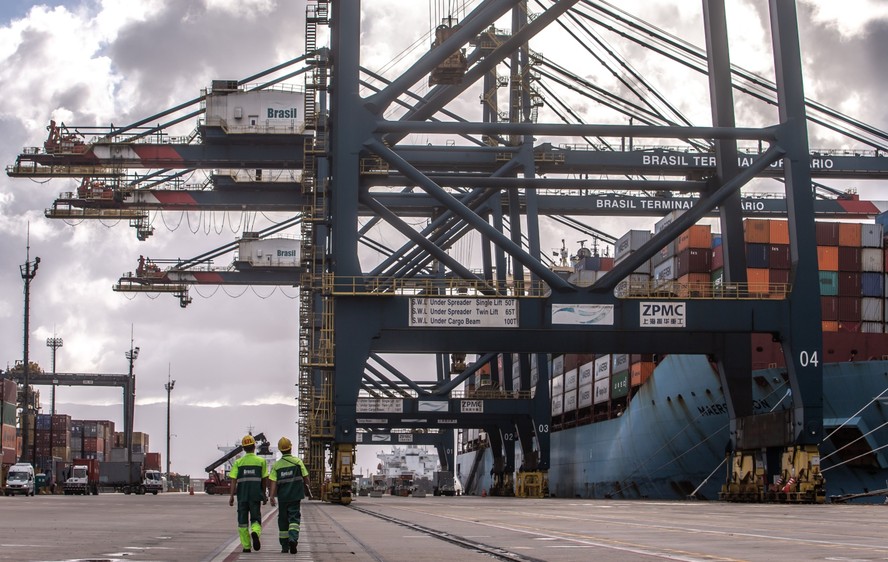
<point>179,527</point>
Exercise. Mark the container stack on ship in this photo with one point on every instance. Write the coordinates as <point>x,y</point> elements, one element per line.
<point>656,426</point>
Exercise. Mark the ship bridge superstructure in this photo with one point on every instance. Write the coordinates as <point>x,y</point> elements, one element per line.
<point>340,154</point>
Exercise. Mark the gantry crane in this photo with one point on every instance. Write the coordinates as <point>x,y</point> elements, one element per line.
<point>352,161</point>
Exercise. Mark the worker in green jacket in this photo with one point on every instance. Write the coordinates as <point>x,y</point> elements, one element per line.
<point>289,484</point>
<point>249,476</point>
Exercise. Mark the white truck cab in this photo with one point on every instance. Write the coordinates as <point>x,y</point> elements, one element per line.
<point>152,482</point>
<point>20,480</point>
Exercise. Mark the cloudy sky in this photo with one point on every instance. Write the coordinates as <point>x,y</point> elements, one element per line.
<point>233,353</point>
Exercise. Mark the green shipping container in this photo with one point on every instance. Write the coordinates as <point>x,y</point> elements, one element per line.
<point>620,384</point>
<point>8,413</point>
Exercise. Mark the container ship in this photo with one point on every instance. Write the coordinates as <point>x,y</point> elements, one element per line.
<point>648,426</point>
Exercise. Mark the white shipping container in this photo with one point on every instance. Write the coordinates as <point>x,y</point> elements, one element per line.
<point>634,284</point>
<point>602,367</point>
<point>871,259</point>
<point>585,277</point>
<point>643,268</point>
<point>872,309</point>
<point>668,219</point>
<point>558,405</point>
<point>534,380</point>
<point>557,365</point>
<point>871,235</point>
<point>602,390</point>
<point>587,373</point>
<point>270,252</point>
<point>570,401</point>
<point>584,398</point>
<point>630,242</point>
<point>621,363</point>
<point>558,385</point>
<point>665,271</point>
<point>570,380</point>
<point>872,327</point>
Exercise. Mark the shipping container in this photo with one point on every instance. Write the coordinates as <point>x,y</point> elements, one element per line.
<point>557,404</point>
<point>826,233</point>
<point>849,234</point>
<point>828,258</point>
<point>665,272</point>
<point>570,401</point>
<point>620,384</point>
<point>778,231</point>
<point>872,327</point>
<point>620,363</point>
<point>694,285</point>
<point>830,326</point>
<point>829,283</point>
<point>848,309</point>
<point>779,257</point>
<point>630,242</point>
<point>779,281</point>
<point>587,373</point>
<point>757,231</point>
<point>602,367</point>
<point>570,380</point>
<point>872,309</point>
<point>267,111</point>
<point>584,398</point>
<point>693,260</point>
<point>872,259</point>
<point>698,236</point>
<point>759,280</point>
<point>871,235</point>
<point>633,284</point>
<point>718,257</point>
<point>849,284</point>
<point>640,372</point>
<point>829,308</point>
<point>643,269</point>
<point>557,385</point>
<point>758,255</point>
<point>870,284</point>
<point>557,365</point>
<point>849,259</point>
<point>601,391</point>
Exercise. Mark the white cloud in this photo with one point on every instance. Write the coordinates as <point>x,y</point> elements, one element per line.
<point>849,17</point>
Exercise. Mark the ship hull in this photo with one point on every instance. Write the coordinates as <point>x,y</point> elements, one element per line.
<point>670,441</point>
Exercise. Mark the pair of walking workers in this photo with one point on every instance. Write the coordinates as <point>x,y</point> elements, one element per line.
<point>289,485</point>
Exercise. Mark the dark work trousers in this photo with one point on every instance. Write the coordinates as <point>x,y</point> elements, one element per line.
<point>245,526</point>
<point>289,517</point>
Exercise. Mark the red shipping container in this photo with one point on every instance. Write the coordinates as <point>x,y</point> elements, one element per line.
<point>571,361</point>
<point>849,284</point>
<point>830,326</point>
<point>152,461</point>
<point>779,231</point>
<point>640,372</point>
<point>849,259</point>
<point>853,327</point>
<point>849,234</point>
<point>718,257</point>
<point>757,230</point>
<point>759,280</point>
<point>779,279</point>
<point>848,309</point>
<point>828,258</point>
<point>829,308</point>
<point>694,285</point>
<point>827,233</point>
<point>779,257</point>
<point>694,260</point>
<point>698,236</point>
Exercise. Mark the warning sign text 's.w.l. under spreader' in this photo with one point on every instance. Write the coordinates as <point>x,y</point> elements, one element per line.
<point>463,312</point>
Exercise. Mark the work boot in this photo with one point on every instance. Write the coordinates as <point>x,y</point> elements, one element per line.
<point>256,544</point>
<point>246,549</point>
<point>293,545</point>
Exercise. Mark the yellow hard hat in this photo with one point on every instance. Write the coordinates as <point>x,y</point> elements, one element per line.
<point>284,444</point>
<point>247,441</point>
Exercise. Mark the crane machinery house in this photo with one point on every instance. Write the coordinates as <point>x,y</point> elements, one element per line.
<point>269,111</point>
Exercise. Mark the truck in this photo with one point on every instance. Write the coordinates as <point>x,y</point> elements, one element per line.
<point>83,478</point>
<point>20,480</point>
<point>130,478</point>
<point>443,484</point>
<point>217,483</point>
